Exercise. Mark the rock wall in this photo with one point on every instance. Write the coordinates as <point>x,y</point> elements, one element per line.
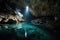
<point>9,18</point>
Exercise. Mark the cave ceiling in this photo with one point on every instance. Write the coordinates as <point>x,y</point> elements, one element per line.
<point>37,7</point>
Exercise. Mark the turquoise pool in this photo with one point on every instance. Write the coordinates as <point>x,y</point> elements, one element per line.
<point>26,31</point>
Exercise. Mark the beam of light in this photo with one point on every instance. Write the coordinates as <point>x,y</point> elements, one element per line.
<point>27,9</point>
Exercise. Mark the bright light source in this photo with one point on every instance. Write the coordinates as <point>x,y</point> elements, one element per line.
<point>27,8</point>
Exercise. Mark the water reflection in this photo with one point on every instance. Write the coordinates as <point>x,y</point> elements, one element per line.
<point>22,31</point>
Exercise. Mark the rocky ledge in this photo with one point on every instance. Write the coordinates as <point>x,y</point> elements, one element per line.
<point>10,19</point>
